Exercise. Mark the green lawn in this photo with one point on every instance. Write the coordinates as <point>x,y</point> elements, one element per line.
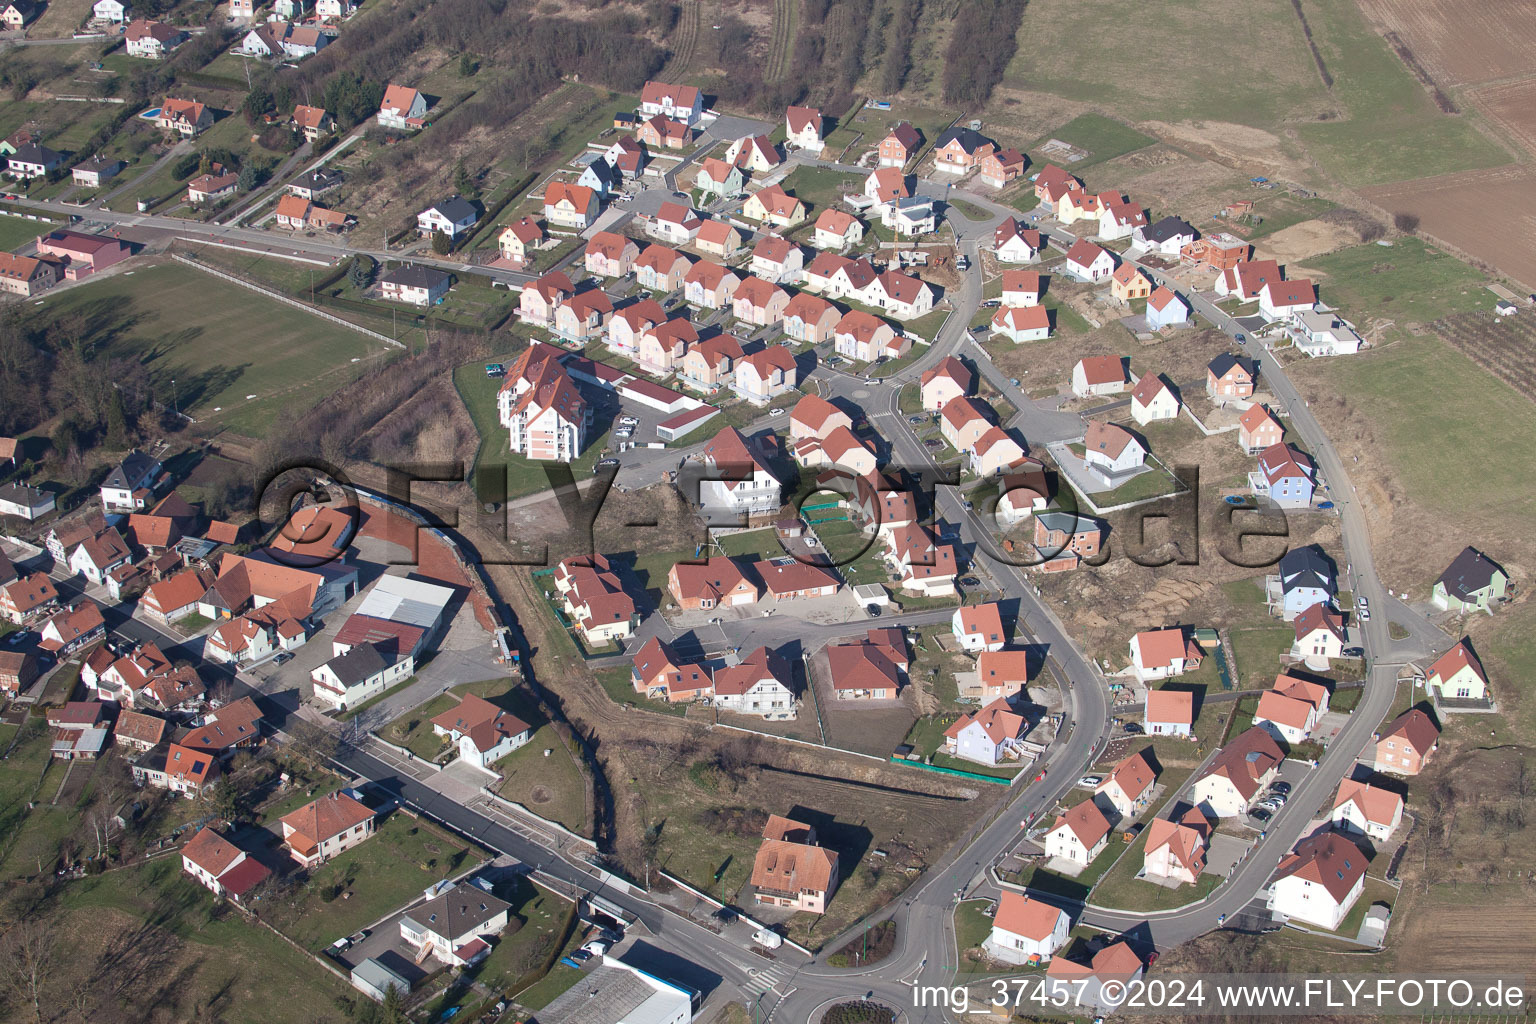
<point>381,874</point>
<point>972,928</point>
<point>543,919</point>
<point>524,476</point>
<point>854,553</point>
<point>552,786</point>
<point>820,186</point>
<point>1406,282</point>
<point>762,543</point>
<point>18,231</point>
<point>1392,129</point>
<point>925,327</point>
<point>237,358</point>
<point>1103,138</point>
<point>1257,652</point>
<point>621,690</point>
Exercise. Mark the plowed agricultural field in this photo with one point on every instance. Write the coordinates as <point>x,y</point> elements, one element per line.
<point>1490,214</point>
<point>1512,107</point>
<point>1461,42</point>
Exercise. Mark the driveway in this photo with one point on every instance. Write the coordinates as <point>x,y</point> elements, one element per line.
<point>1224,854</point>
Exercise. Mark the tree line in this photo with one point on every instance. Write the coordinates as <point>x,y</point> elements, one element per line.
<point>981,44</point>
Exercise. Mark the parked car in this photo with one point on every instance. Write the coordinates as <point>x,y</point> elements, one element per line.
<point>18,638</point>
<point>283,658</point>
<point>1261,815</point>
<point>934,442</point>
<point>1090,780</point>
<point>1283,788</point>
<point>597,947</point>
<point>606,464</point>
<point>1133,728</point>
<point>775,412</point>
<point>629,421</point>
<point>969,507</point>
<point>915,420</point>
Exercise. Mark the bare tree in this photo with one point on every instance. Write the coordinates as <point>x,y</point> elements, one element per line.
<point>28,954</point>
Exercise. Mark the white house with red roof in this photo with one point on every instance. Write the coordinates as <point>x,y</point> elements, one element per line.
<point>752,489</point>
<point>1022,323</point>
<point>1098,375</point>
<point>987,736</point>
<point>777,260</point>
<point>945,381</point>
<point>1152,399</point>
<point>803,128</point>
<point>1165,309</point>
<point>1169,713</point>
<point>1319,881</point>
<point>1088,262</point>
<point>1319,637</point>
<point>545,416</point>
<point>1127,790</point>
<point>402,108</point>
<point>1164,653</point>
<point>766,374</point>
<point>326,827</point>
<point>1279,299</point>
<point>220,866</point>
<point>1026,930</point>
<point>979,627</point>
<point>1079,834</point>
<point>1367,810</point>
<point>682,102</point>
<point>483,732</point>
<point>837,230</point>
<point>1111,451</point>
<point>1014,243</point>
<point>759,684</point>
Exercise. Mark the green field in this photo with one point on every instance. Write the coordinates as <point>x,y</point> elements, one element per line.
<point>1245,63</point>
<point>1104,139</point>
<point>1391,130</point>
<point>238,359</point>
<point>18,231</point>
<point>1407,282</point>
<point>524,476</point>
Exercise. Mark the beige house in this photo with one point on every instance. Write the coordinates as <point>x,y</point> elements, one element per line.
<point>791,869</point>
<point>946,381</point>
<point>1078,835</point>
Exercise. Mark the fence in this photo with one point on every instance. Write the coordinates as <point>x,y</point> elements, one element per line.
<point>974,776</point>
<point>280,297</point>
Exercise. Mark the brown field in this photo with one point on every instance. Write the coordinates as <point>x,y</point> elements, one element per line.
<point>1460,43</point>
<point>1511,106</point>
<point>1483,213</point>
<point>1302,241</point>
<point>1240,146</point>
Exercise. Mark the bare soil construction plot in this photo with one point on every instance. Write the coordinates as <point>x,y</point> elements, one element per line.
<point>1301,241</point>
<point>1236,145</point>
<point>1460,43</point>
<point>1483,213</point>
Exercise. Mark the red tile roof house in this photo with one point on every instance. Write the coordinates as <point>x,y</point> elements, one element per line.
<point>683,102</point>
<point>899,145</point>
<point>777,260</point>
<point>987,736</point>
<point>1257,429</point>
<point>791,870</point>
<point>19,670</point>
<point>570,206</point>
<point>1247,279</point>
<point>599,607</point>
<point>330,825</point>
<point>710,364</point>
<point>518,239</point>
<point>1319,881</point>
<point>1319,636</point>
<point>710,286</point>
<point>1026,931</point>
<point>1024,491</point>
<point>923,566</point>
<point>716,583</point>
<point>1404,745</point>
<point>661,269</point>
<point>83,254</point>
<point>663,133</point>
<point>998,674</point>
<point>787,579</point>
<point>676,224</point>
<point>1001,167</point>
<point>1014,243</point>
<point>545,416</point>
<point>1291,709</point>
<point>540,298</point>
<point>28,598</point>
<point>1022,323</point>
<point>1051,179</point>
<point>186,118</point>
<point>402,108</point>
<point>1175,850</point>
<point>803,128</point>
<point>837,230</point>
<point>948,380</point>
<point>758,302</point>
<point>631,322</point>
<point>660,674</point>
<point>1233,779</point>
<point>222,867</point>
<point>863,671</point>
<point>1127,790</point>
<point>1164,653</point>
<point>178,769</point>
<point>1098,375</point>
<point>864,337</point>
<point>760,684</point>
<point>1078,835</point>
<point>1367,810</point>
<point>1102,985</point>
<point>1088,262</point>
<point>814,416</point>
<point>216,185</point>
<point>963,420</point>
<point>811,319</point>
<point>610,254</point>
<point>483,732</point>
<point>766,374</point>
<point>1169,713</point>
<point>584,316</point>
<point>979,627</point>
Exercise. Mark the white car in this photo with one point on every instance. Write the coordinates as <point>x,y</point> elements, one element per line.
<point>775,412</point>
<point>596,947</point>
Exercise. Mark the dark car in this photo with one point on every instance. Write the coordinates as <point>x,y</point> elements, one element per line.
<point>1133,728</point>
<point>18,638</point>
<point>1283,788</point>
<point>934,443</point>
<point>970,581</point>
<point>1260,815</point>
